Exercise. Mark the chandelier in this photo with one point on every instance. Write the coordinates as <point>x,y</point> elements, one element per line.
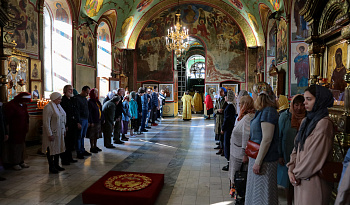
<point>177,40</point>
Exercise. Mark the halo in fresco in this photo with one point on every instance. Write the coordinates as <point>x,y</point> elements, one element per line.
<point>237,3</point>
<point>92,7</point>
<point>127,25</point>
<point>143,5</point>
<point>103,32</point>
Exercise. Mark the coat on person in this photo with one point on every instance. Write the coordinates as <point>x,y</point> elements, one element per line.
<point>198,102</point>
<point>187,103</point>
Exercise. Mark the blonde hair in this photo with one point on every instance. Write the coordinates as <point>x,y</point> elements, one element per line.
<point>246,102</point>
<point>264,101</point>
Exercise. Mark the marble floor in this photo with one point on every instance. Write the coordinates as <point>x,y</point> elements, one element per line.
<point>182,151</point>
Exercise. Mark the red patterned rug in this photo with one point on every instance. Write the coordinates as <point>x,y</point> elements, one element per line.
<point>125,188</point>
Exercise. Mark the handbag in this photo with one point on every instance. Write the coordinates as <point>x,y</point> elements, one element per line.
<point>252,149</point>
<point>331,171</point>
<point>241,183</point>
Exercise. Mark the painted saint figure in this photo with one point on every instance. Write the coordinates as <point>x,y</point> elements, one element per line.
<point>61,14</point>
<point>35,72</point>
<point>337,81</point>
<point>35,92</point>
<point>301,67</point>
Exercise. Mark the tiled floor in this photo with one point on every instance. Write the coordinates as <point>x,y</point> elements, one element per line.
<point>183,151</point>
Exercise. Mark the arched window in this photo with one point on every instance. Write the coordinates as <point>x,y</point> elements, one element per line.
<point>104,58</point>
<point>196,67</point>
<point>57,46</point>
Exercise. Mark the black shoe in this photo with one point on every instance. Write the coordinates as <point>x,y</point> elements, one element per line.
<point>219,152</point>
<point>118,142</point>
<point>58,168</point>
<point>218,147</point>
<point>125,139</point>
<point>86,153</point>
<point>110,146</point>
<point>73,161</point>
<point>148,127</point>
<point>225,168</point>
<point>218,143</point>
<point>53,170</point>
<point>65,163</point>
<point>93,150</point>
<point>98,149</point>
<point>80,156</point>
<point>144,130</point>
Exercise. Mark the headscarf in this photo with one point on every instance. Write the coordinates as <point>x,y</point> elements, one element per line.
<point>75,92</point>
<point>225,91</point>
<point>324,99</point>
<point>110,94</point>
<point>92,94</point>
<point>23,97</point>
<point>55,95</point>
<point>205,95</point>
<point>283,103</point>
<point>296,118</point>
<point>231,96</point>
<point>264,88</point>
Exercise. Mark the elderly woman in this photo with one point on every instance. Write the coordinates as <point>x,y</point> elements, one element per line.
<point>96,117</point>
<point>228,124</point>
<point>288,123</point>
<point>262,171</point>
<point>240,136</point>
<point>54,131</point>
<point>312,148</point>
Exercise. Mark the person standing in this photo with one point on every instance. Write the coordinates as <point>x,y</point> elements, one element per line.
<point>134,113</point>
<point>208,105</point>
<point>17,121</point>
<point>155,105</point>
<point>187,104</point>
<point>220,106</point>
<point>139,110</point>
<point>69,105</point>
<point>54,131</point>
<point>162,96</point>
<point>125,118</point>
<point>144,103</point>
<point>83,121</point>
<point>312,148</point>
<point>118,119</point>
<point>108,110</point>
<point>228,124</point>
<point>240,94</point>
<point>198,102</point>
<point>149,114</point>
<point>289,122</point>
<point>262,171</point>
<point>96,118</point>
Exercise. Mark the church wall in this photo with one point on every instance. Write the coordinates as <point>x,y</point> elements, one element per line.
<point>223,39</point>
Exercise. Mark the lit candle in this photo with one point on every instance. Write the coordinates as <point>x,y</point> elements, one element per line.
<point>168,31</point>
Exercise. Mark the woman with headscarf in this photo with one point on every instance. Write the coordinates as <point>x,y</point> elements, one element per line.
<point>96,117</point>
<point>289,123</point>
<point>240,136</point>
<point>54,131</point>
<point>17,121</point>
<point>134,113</point>
<point>312,148</point>
<point>209,105</point>
<point>109,96</point>
<point>228,124</point>
<point>262,177</point>
<point>282,103</point>
<point>240,94</point>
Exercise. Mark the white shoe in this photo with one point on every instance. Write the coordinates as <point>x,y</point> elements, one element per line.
<point>17,167</point>
<point>24,165</point>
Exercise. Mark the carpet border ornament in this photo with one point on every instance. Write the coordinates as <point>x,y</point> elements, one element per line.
<point>111,185</point>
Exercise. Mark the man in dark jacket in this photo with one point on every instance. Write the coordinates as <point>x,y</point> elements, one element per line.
<point>3,135</point>
<point>155,105</point>
<point>69,105</point>
<point>118,119</point>
<point>139,109</point>
<point>108,110</point>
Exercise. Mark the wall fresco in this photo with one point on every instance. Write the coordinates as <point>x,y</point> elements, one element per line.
<point>92,7</point>
<point>223,39</point>
<point>300,68</point>
<point>299,28</point>
<point>26,32</point>
<point>282,41</point>
<point>86,48</point>
<point>271,38</point>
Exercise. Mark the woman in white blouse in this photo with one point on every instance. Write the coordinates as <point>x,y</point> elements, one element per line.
<point>240,135</point>
<point>54,130</point>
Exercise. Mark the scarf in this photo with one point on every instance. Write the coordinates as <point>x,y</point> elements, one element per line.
<point>296,118</point>
<point>92,94</point>
<point>283,103</point>
<point>324,99</point>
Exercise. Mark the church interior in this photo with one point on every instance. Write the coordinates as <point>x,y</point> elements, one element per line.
<point>111,44</point>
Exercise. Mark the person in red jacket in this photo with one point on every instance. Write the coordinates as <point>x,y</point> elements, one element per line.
<point>209,105</point>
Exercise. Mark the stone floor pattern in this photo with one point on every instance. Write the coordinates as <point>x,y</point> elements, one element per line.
<point>182,151</point>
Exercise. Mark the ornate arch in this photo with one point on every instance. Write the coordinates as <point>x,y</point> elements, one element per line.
<point>333,11</point>
<point>250,38</point>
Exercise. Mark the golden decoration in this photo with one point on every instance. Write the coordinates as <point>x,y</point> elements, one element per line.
<point>42,103</point>
<point>127,182</point>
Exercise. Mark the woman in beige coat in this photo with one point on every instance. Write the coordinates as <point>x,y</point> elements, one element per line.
<point>313,146</point>
<point>54,130</point>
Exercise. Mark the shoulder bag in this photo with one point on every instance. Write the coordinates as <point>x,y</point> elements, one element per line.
<point>252,149</point>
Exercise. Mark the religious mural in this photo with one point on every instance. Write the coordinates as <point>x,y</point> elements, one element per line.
<point>299,73</point>
<point>271,39</point>
<point>92,7</point>
<point>127,25</point>
<point>254,22</point>
<point>86,48</point>
<point>26,32</point>
<point>223,39</point>
<point>299,28</point>
<point>282,41</point>
<point>118,59</point>
<point>276,4</point>
<point>270,65</point>
<point>103,32</point>
<point>337,57</point>
<point>237,3</point>
<point>143,5</point>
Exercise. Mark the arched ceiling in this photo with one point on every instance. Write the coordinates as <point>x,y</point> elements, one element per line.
<point>133,14</point>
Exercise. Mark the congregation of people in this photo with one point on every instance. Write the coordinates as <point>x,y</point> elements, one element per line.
<point>69,119</point>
